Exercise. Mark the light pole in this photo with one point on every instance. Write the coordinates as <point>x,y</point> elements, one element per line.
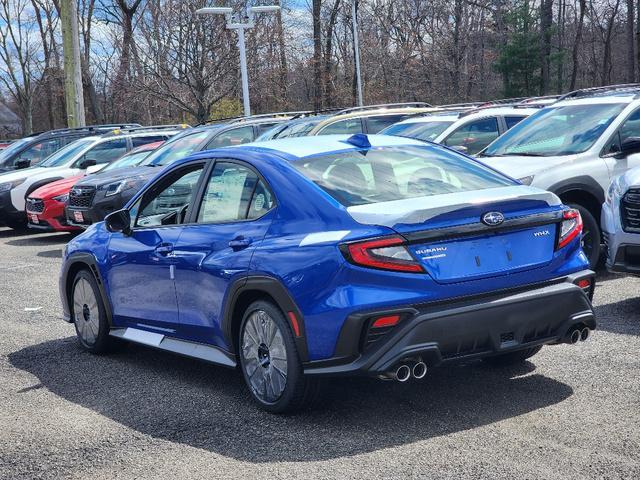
<point>356,50</point>
<point>235,22</point>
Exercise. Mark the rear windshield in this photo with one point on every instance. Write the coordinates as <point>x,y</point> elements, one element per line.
<point>395,173</point>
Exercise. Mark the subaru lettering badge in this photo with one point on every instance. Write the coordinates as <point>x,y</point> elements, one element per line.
<point>493,219</point>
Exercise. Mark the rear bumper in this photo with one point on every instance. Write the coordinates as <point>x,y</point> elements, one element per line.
<point>464,329</point>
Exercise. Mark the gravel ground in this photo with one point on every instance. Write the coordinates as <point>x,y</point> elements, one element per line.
<point>573,412</point>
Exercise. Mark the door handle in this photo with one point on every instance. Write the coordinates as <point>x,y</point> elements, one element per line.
<point>239,243</point>
<point>164,249</point>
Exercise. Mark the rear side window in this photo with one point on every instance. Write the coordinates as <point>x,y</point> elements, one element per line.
<point>234,192</point>
<point>350,125</point>
<point>511,121</point>
<point>397,173</point>
<point>380,122</point>
<point>235,136</point>
<point>474,136</point>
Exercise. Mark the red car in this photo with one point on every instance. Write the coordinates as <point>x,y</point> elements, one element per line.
<point>45,205</point>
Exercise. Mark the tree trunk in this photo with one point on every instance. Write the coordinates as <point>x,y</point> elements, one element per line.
<point>631,56</point>
<point>546,22</point>
<point>317,55</point>
<point>327,81</point>
<point>576,44</point>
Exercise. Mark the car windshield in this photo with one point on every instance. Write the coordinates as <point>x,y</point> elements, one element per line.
<point>397,173</point>
<point>66,153</point>
<point>131,160</point>
<point>418,130</point>
<point>13,147</point>
<point>176,149</point>
<point>554,131</point>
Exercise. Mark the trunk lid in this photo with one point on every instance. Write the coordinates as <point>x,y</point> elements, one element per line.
<point>473,235</point>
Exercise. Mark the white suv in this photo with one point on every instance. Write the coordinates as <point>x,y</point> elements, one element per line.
<point>468,131</point>
<point>574,148</point>
<point>85,155</point>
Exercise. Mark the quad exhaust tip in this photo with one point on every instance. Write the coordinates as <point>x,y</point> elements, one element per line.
<point>403,373</point>
<point>575,336</point>
<point>419,370</point>
<point>584,334</point>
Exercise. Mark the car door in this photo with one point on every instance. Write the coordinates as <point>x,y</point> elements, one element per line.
<point>142,264</point>
<point>215,248</point>
<point>630,129</point>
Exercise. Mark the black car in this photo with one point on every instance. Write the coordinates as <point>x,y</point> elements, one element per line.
<point>95,196</point>
<point>30,151</point>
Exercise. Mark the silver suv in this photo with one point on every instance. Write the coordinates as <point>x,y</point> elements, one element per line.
<point>574,148</point>
<point>621,223</point>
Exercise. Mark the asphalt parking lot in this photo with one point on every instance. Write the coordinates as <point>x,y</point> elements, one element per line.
<point>573,412</point>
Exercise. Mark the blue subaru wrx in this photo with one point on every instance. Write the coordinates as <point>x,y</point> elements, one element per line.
<point>300,258</point>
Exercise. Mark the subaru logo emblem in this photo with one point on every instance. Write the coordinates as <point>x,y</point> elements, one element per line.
<point>493,219</point>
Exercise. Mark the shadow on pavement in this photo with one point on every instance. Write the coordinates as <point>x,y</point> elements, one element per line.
<point>56,253</point>
<point>204,406</point>
<point>6,232</point>
<point>620,317</point>
<point>38,240</point>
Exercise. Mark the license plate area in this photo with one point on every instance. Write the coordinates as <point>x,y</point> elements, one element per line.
<point>78,217</point>
<point>34,218</point>
<point>477,257</point>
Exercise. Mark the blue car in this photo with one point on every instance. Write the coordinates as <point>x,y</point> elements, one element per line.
<point>300,258</point>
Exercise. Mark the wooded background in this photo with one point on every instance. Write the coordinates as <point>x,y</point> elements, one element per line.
<point>155,61</point>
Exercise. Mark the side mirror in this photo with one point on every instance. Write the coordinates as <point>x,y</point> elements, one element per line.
<point>85,163</point>
<point>119,222</point>
<point>23,163</point>
<point>631,145</point>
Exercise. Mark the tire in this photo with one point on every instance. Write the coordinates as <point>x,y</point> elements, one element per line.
<point>591,236</point>
<point>512,358</point>
<point>18,224</point>
<point>89,314</point>
<point>270,362</point>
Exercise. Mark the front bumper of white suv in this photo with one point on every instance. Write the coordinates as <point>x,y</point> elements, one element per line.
<point>621,229</point>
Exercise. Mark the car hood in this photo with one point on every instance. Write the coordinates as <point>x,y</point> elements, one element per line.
<point>104,178</point>
<point>53,189</point>
<point>522,166</point>
<point>22,173</point>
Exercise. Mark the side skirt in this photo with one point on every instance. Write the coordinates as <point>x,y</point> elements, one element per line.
<point>202,351</point>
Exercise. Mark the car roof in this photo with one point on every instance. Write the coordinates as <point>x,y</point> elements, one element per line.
<point>301,147</point>
<point>621,97</point>
<point>479,113</point>
<point>380,111</point>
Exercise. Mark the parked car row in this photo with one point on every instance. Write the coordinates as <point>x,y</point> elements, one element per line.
<point>366,241</point>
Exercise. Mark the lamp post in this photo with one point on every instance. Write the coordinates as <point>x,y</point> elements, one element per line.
<point>235,22</point>
<point>356,50</point>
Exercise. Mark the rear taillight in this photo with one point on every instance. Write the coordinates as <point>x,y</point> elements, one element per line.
<point>387,253</point>
<point>570,228</point>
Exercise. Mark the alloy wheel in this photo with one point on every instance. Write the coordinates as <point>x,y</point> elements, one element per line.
<point>86,312</point>
<point>264,356</point>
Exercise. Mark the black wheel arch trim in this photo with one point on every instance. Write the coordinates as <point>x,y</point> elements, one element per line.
<point>581,183</point>
<point>274,288</point>
<point>90,262</point>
